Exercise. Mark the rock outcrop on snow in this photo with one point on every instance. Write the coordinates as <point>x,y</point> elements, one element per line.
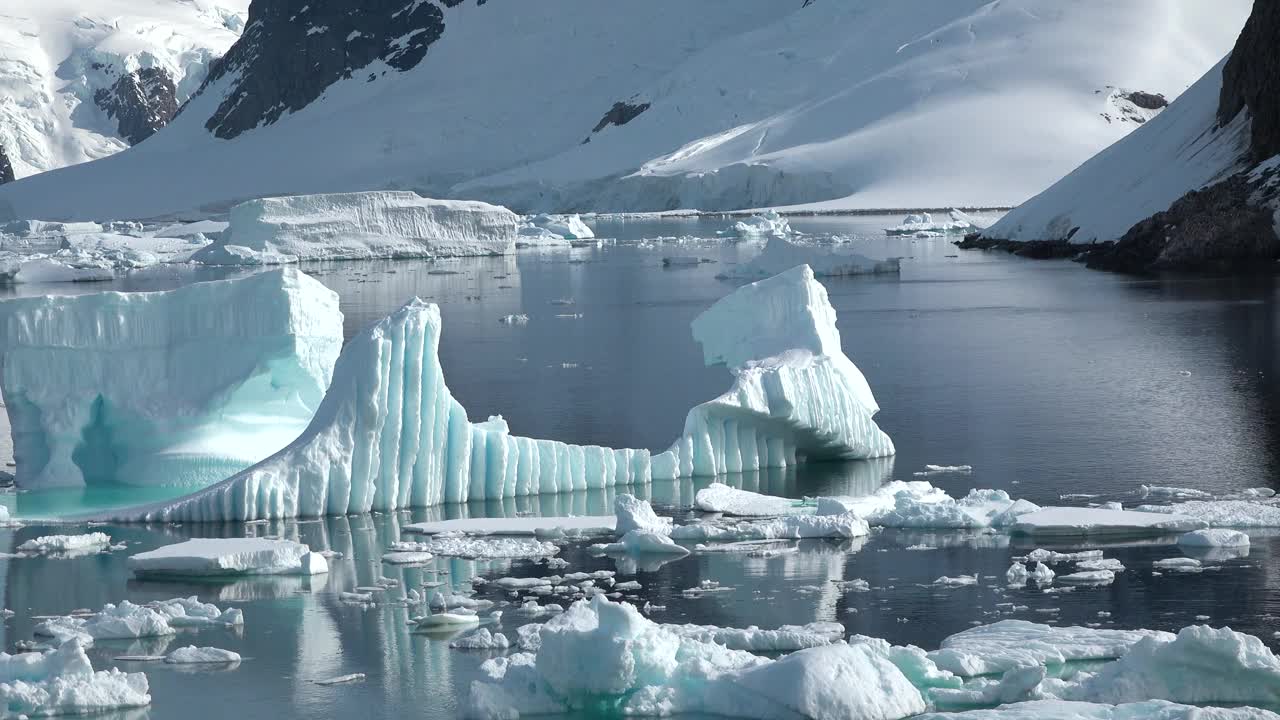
<point>141,102</point>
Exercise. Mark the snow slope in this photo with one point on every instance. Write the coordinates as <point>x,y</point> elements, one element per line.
<point>717,105</point>
<point>55,55</point>
<point>1180,150</point>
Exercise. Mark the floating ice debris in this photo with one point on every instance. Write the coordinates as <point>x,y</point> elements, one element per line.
<point>229,556</point>
<point>632,513</point>
<point>173,394</point>
<point>482,639</point>
<point>610,658</point>
<point>127,621</point>
<point>917,223</point>
<point>342,679</point>
<point>1088,577</point>
<point>1202,665</point>
<point>535,526</point>
<point>706,587</point>
<point>63,682</point>
<point>1051,557</point>
<point>201,655</point>
<point>443,620</point>
<point>791,527</point>
<point>465,546</point>
<point>1216,537</point>
<point>1017,574</point>
<point>1072,522</point>
<point>360,226</point>
<point>767,223</point>
<point>1041,574</point>
<point>795,394</point>
<point>1101,564</point>
<point>956,581</point>
<point>784,639</point>
<point>640,542</point>
<point>357,598</point>
<point>782,253</point>
<point>1009,644</point>
<point>721,498</point>
<point>520,319</point>
<point>1170,493</point>
<point>68,545</point>
<point>1223,513</point>
<point>942,469</point>
<point>684,261</point>
<point>1178,564</point>
<point>407,557</point>
<point>920,505</point>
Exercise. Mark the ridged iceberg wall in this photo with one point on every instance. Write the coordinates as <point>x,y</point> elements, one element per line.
<point>390,435</point>
<point>176,388</point>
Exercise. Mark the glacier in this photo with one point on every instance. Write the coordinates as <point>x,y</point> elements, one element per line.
<point>360,226</point>
<point>389,434</point>
<point>175,388</point>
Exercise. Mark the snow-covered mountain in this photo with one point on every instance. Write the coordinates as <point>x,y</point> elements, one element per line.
<point>717,104</point>
<point>82,79</point>
<point>1195,188</point>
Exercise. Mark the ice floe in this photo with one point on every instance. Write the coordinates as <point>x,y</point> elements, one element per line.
<point>127,620</point>
<point>768,223</point>
<point>1214,537</point>
<point>1073,522</point>
<point>229,556</point>
<point>1010,644</point>
<point>533,526</point>
<point>360,226</point>
<point>1223,513</point>
<point>720,498</point>
<point>482,639</point>
<point>63,682</point>
<point>782,253</point>
<point>915,223</point>
<point>67,545</point>
<point>192,655</point>
<point>157,389</point>
<point>467,546</point>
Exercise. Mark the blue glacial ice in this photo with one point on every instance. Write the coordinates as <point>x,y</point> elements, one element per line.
<point>178,388</point>
<point>389,434</point>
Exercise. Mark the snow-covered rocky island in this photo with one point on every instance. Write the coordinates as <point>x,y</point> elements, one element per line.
<point>497,359</point>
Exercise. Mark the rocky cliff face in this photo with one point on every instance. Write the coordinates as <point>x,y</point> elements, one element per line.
<point>6,167</point>
<point>141,102</point>
<point>1251,80</point>
<point>291,50</point>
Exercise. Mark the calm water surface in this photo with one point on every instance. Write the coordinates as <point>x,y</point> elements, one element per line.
<point>1045,377</point>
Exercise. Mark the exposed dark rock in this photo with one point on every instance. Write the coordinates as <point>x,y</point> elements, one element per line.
<point>6,167</point>
<point>620,114</point>
<point>141,102</point>
<point>1146,100</point>
<point>291,50</point>
<point>1251,78</point>
<point>1218,228</point>
<point>1036,249</point>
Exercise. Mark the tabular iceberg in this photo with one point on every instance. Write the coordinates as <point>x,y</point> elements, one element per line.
<point>360,226</point>
<point>795,393</point>
<point>176,388</point>
<point>390,435</point>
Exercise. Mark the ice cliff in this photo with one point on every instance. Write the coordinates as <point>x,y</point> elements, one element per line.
<point>175,388</point>
<point>389,434</point>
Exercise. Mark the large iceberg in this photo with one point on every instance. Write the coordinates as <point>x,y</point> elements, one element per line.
<point>178,388</point>
<point>795,395</point>
<point>390,435</point>
<point>360,226</point>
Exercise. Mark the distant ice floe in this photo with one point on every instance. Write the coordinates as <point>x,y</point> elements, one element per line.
<point>923,225</point>
<point>213,557</point>
<point>782,253</point>
<point>388,434</point>
<point>768,223</point>
<point>176,388</point>
<point>360,226</point>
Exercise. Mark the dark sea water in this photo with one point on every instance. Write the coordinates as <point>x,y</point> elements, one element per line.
<point>1047,378</point>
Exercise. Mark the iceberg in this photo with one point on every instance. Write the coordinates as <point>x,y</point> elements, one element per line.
<point>388,434</point>
<point>67,545</point>
<point>228,556</point>
<point>1074,522</point>
<point>569,227</point>
<point>782,253</point>
<point>632,513</point>
<point>795,395</point>
<point>129,621</point>
<point>176,388</point>
<point>917,223</point>
<point>360,226</point>
<point>768,223</point>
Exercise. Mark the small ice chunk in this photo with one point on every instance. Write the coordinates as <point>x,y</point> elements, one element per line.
<point>720,498</point>
<point>1041,574</point>
<point>482,639</point>
<point>1178,564</point>
<point>193,655</point>
<point>640,542</point>
<point>342,679</point>
<point>68,545</point>
<point>1073,522</point>
<point>957,581</point>
<point>767,223</point>
<point>1088,577</point>
<point>1214,537</point>
<point>1017,574</point>
<point>635,514</point>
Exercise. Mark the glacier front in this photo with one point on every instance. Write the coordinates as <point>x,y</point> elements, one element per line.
<point>176,388</point>
<point>389,434</point>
